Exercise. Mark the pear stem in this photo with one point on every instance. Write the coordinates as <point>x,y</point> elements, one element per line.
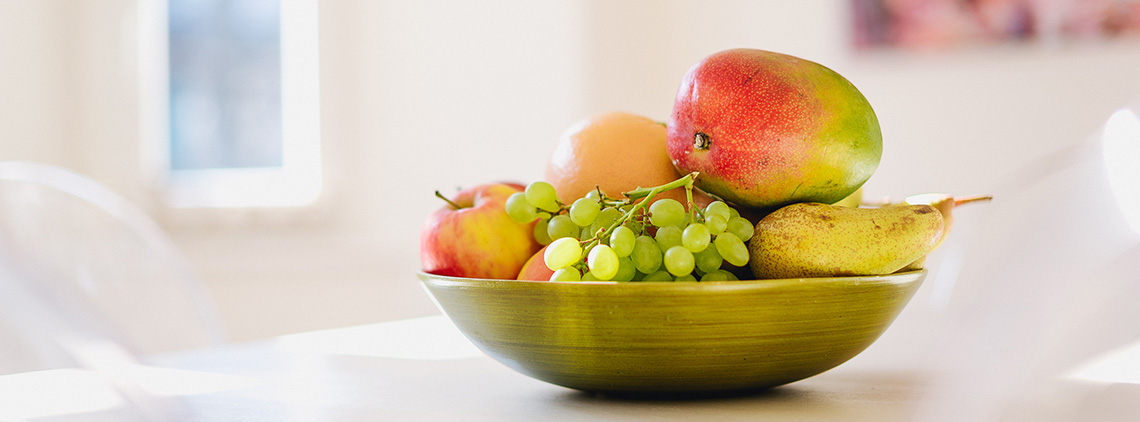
<point>962,200</point>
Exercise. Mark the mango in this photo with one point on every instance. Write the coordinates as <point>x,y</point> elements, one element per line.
<point>766,129</point>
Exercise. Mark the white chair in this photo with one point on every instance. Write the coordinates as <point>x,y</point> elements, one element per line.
<point>1047,288</point>
<point>81,266</point>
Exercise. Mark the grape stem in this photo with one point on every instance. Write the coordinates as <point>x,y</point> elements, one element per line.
<point>647,194</point>
<point>689,199</point>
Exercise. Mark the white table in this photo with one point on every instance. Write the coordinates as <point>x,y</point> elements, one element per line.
<point>422,369</point>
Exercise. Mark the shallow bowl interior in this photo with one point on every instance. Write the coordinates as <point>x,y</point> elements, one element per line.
<point>673,337</point>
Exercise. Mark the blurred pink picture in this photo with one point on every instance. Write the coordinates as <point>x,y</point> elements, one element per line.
<point>935,24</point>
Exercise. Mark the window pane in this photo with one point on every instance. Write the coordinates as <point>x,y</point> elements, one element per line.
<point>225,84</point>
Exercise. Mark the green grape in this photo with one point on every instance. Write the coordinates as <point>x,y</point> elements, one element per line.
<point>566,274</point>
<point>593,194</point>
<point>718,275</point>
<point>731,249</point>
<point>604,220</point>
<point>589,276</point>
<point>542,195</point>
<point>626,270</point>
<point>708,260</point>
<point>562,253</point>
<point>622,241</point>
<point>646,255</point>
<point>635,226</point>
<point>686,277</point>
<point>660,275</point>
<point>716,224</point>
<point>560,227</point>
<point>603,262</point>
<point>607,217</point>
<point>696,237</point>
<point>519,209</point>
<point>666,212</point>
<point>679,261</point>
<point>733,212</point>
<point>541,234</point>
<point>586,250</point>
<point>668,237</point>
<point>718,208</point>
<point>684,222</point>
<point>584,211</point>
<point>591,231</point>
<point>741,227</point>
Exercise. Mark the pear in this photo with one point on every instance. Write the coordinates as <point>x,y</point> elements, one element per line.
<point>945,204</point>
<point>820,240</point>
<point>853,200</point>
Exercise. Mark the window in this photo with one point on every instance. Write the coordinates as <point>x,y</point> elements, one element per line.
<point>231,101</point>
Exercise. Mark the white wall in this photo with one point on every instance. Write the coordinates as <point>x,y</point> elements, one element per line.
<point>964,122</point>
<point>426,95</point>
<point>33,71</point>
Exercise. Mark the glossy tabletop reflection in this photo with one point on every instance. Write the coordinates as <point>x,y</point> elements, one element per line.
<point>423,369</point>
<point>360,373</point>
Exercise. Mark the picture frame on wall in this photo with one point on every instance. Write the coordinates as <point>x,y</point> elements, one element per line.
<point>939,24</point>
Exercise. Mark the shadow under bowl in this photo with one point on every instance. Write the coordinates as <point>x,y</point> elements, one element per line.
<point>673,337</point>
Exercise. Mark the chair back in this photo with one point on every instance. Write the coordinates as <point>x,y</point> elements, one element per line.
<point>78,260</point>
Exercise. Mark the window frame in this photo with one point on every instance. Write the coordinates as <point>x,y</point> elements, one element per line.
<point>297,183</point>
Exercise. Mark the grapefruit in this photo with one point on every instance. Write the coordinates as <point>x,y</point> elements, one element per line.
<point>617,152</point>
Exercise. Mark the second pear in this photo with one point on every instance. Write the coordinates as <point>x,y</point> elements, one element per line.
<point>820,240</point>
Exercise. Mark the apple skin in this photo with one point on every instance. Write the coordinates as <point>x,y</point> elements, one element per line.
<point>478,240</point>
<point>779,130</point>
<point>517,185</point>
<point>535,268</point>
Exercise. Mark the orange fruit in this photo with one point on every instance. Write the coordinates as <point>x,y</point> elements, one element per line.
<point>535,268</point>
<point>618,152</point>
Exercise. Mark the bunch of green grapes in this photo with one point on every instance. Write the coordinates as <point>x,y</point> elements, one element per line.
<point>598,237</point>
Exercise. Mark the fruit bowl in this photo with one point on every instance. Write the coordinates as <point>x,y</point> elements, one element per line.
<point>673,337</point>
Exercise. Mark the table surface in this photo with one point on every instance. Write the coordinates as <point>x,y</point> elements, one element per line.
<point>422,369</point>
<point>361,372</point>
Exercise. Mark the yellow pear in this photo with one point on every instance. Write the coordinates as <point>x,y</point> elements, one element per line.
<point>853,200</point>
<point>821,240</point>
<point>945,204</point>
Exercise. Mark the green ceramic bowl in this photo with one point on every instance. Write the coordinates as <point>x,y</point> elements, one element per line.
<point>681,337</point>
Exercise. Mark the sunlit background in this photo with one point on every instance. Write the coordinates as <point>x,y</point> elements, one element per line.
<point>396,99</point>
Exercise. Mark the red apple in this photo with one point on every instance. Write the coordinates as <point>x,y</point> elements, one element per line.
<point>474,237</point>
<point>766,129</point>
<point>517,185</point>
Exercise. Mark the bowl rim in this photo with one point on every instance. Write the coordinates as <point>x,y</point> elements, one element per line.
<point>894,278</point>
